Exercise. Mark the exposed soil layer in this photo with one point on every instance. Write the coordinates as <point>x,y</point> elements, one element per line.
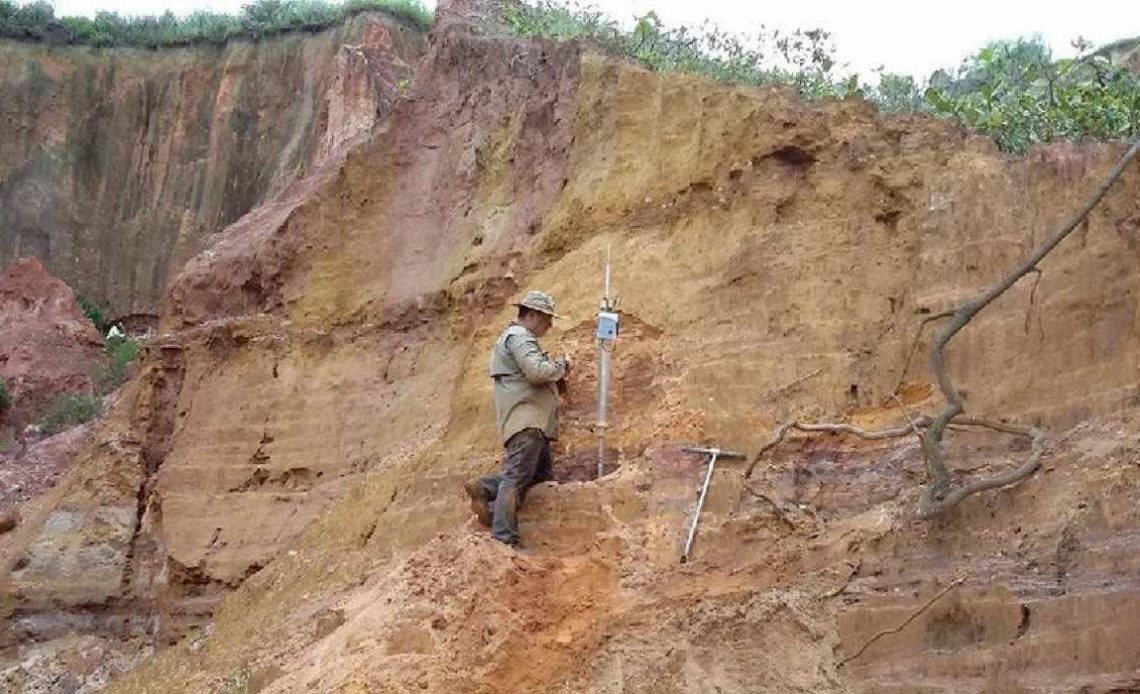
<point>278,491</point>
<point>117,164</point>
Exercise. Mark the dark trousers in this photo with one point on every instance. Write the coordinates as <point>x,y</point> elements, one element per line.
<point>526,463</point>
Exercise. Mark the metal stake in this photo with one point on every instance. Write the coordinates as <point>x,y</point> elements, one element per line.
<point>607,341</point>
<point>713,454</point>
<point>603,402</point>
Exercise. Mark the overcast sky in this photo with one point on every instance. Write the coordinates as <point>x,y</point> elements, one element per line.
<point>911,37</point>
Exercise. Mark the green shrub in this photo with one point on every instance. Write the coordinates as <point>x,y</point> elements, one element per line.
<point>5,396</point>
<point>28,21</point>
<point>121,352</point>
<point>1016,93</point>
<point>69,410</point>
<point>896,93</point>
<point>86,31</point>
<point>36,21</point>
<point>411,11</point>
<point>1012,91</point>
<point>93,311</point>
<point>801,58</point>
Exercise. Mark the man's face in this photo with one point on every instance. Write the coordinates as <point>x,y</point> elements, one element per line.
<point>542,323</point>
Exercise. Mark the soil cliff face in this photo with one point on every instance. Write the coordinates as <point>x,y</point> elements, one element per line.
<point>116,164</point>
<point>48,348</point>
<point>290,457</point>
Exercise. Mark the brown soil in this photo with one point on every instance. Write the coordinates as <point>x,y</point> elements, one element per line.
<point>278,493</point>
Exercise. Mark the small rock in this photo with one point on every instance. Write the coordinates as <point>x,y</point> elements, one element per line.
<point>9,520</point>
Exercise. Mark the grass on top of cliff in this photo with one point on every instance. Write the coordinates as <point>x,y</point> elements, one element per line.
<point>1011,90</point>
<point>36,21</point>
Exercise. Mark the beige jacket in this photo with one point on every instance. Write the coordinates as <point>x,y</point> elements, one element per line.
<point>525,377</point>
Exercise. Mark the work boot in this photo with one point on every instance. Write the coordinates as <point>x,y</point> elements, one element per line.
<point>480,500</point>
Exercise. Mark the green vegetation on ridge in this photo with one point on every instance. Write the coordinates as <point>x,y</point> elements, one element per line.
<point>121,353</point>
<point>36,21</point>
<point>1012,91</point>
<point>93,311</point>
<point>1018,94</point>
<point>801,58</point>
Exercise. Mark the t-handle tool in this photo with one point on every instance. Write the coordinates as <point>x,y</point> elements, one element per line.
<point>713,454</point>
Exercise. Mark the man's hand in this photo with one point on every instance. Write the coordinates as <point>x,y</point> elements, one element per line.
<point>562,386</point>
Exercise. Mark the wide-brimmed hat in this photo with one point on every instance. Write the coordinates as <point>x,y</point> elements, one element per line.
<point>541,302</point>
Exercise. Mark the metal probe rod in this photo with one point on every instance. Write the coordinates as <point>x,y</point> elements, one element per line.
<point>606,343</point>
<point>607,294</point>
<point>603,403</point>
<point>713,454</point>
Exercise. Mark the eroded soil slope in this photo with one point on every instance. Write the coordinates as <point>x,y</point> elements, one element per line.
<point>301,430</point>
<point>116,164</point>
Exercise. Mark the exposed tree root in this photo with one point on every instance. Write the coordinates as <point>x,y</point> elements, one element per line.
<point>834,428</point>
<point>887,632</point>
<point>781,513</point>
<point>1034,434</point>
<point>788,386</point>
<point>941,493</point>
<point>1032,300</point>
<point>926,320</point>
<point>909,419</point>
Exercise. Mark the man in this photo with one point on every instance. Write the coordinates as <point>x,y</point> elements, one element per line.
<point>527,386</point>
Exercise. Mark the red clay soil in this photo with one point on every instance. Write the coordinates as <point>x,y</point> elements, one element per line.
<point>48,347</point>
